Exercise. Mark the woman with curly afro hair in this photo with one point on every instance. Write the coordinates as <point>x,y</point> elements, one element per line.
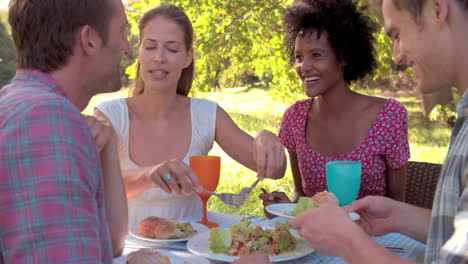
<point>330,42</point>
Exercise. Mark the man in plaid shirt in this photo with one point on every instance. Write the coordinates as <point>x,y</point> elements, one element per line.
<point>431,37</point>
<point>61,192</point>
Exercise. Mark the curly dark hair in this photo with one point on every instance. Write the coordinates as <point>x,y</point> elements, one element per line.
<point>350,32</point>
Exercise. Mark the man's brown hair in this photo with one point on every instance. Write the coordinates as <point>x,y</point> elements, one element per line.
<point>45,31</point>
<point>415,7</point>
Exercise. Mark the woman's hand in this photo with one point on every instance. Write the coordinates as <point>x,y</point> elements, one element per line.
<point>174,176</point>
<point>269,155</point>
<point>272,198</point>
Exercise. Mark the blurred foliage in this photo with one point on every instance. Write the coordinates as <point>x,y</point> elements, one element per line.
<point>240,43</point>
<point>7,53</point>
<point>4,17</point>
<point>397,81</point>
<point>446,113</point>
<point>383,46</point>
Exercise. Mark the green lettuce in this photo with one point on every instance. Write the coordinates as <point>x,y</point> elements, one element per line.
<point>286,242</point>
<point>304,204</point>
<point>242,229</point>
<point>220,240</point>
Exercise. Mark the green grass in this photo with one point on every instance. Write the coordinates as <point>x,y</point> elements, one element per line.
<point>256,109</point>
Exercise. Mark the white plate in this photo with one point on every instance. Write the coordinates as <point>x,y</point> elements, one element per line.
<point>200,245</point>
<point>134,233</point>
<point>285,210</point>
<point>175,257</point>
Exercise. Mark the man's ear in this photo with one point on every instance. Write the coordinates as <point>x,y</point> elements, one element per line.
<point>90,41</point>
<point>189,58</point>
<point>440,11</point>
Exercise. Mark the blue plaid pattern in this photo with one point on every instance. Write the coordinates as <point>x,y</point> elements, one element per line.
<point>448,237</point>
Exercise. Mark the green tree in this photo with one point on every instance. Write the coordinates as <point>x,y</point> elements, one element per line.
<point>236,36</point>
<point>7,56</point>
<point>237,39</point>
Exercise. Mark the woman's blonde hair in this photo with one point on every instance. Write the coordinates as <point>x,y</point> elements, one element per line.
<point>177,15</point>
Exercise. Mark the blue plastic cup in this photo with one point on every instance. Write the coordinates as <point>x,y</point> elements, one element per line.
<point>344,180</point>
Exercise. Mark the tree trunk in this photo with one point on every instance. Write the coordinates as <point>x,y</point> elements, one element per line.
<point>441,97</point>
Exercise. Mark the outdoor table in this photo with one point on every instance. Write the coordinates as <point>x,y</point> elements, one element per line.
<point>413,250</point>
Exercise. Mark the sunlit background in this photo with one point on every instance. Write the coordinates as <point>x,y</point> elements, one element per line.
<point>4,4</point>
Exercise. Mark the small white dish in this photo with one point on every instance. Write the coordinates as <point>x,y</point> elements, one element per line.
<point>285,210</point>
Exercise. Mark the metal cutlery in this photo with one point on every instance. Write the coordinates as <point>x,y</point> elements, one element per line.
<point>228,198</point>
<point>232,198</point>
<point>396,249</point>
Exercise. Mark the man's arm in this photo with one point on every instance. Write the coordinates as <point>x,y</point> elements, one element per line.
<point>105,140</point>
<point>382,215</point>
<point>115,199</point>
<point>413,222</point>
<point>319,227</point>
<point>362,249</point>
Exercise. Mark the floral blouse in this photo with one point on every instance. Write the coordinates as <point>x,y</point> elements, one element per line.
<point>386,145</point>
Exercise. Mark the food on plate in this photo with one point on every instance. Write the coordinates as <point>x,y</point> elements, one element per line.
<point>160,228</point>
<point>220,240</point>
<point>244,238</point>
<point>306,203</point>
<point>323,197</point>
<point>147,256</point>
<point>156,227</point>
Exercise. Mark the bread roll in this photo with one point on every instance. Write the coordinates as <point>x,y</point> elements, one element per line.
<point>323,197</point>
<point>147,256</point>
<point>156,227</point>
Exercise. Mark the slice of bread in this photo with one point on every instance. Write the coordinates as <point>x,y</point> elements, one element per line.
<point>157,227</point>
<point>147,256</point>
<point>323,197</point>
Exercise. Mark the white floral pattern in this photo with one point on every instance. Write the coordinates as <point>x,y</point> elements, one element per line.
<point>385,146</point>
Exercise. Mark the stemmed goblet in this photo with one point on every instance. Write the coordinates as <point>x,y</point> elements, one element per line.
<point>207,169</point>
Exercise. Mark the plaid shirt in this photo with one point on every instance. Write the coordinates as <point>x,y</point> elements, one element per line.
<point>51,185</point>
<point>445,243</point>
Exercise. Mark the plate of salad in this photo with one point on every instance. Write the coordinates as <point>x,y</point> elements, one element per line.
<point>280,243</point>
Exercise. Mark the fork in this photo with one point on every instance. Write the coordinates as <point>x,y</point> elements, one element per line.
<point>232,198</point>
<point>228,198</point>
<point>396,249</point>
<point>246,190</point>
